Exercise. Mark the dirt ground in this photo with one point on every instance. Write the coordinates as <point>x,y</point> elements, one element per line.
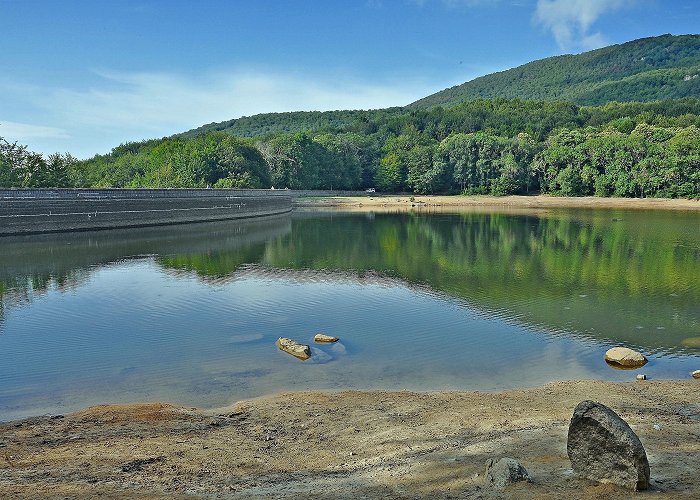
<point>348,445</point>
<point>395,202</point>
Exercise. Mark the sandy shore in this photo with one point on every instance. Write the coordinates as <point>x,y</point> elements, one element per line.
<point>390,202</point>
<point>347,444</point>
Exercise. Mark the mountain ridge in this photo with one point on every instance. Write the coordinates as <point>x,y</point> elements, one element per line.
<point>646,69</point>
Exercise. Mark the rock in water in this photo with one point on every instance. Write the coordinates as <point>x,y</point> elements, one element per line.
<point>322,338</point>
<point>504,472</point>
<point>622,357</point>
<point>693,342</point>
<point>603,448</point>
<point>294,348</point>
<point>696,374</point>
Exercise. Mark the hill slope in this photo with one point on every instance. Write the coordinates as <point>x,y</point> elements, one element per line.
<point>647,69</point>
<point>296,121</point>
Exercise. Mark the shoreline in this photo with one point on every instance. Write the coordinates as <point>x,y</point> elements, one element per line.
<point>330,444</point>
<point>451,202</point>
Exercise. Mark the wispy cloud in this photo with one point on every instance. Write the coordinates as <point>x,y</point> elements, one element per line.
<point>125,106</point>
<point>14,131</point>
<point>571,21</point>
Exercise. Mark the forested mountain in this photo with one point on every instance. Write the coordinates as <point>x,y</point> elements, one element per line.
<point>487,146</point>
<point>647,69</point>
<point>297,121</point>
<point>498,146</point>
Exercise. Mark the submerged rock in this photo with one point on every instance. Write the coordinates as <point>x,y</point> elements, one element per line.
<point>294,348</point>
<point>504,472</point>
<point>603,448</point>
<point>623,357</point>
<point>322,338</point>
<point>692,342</point>
<point>320,357</point>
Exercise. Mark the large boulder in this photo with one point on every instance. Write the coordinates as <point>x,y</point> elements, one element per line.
<point>603,448</point>
<point>623,357</point>
<point>504,472</point>
<point>294,348</point>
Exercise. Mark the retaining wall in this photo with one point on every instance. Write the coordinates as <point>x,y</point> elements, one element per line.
<point>28,211</point>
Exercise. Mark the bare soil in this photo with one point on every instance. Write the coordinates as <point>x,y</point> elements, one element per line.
<point>395,202</point>
<point>347,445</point>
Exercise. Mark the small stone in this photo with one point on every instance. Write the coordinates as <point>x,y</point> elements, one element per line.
<point>623,357</point>
<point>641,376</point>
<point>696,374</point>
<point>294,348</point>
<point>322,338</point>
<point>603,448</point>
<point>504,472</point>
<point>657,427</point>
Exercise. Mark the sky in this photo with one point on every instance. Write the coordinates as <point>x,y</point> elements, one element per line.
<point>83,76</point>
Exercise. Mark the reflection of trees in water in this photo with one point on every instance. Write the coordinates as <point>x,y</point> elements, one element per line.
<point>583,271</point>
<point>22,289</point>
<point>33,265</point>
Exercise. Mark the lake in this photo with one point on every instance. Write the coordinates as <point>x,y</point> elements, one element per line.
<point>480,300</point>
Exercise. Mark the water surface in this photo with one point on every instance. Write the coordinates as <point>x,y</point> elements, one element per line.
<point>472,300</point>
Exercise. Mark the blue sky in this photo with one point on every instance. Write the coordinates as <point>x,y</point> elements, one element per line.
<point>83,76</point>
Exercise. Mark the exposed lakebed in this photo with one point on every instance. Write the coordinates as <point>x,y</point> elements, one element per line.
<point>469,300</point>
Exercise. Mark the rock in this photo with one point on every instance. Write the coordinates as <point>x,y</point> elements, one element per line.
<point>294,348</point>
<point>692,342</point>
<point>322,338</point>
<point>320,357</point>
<point>504,472</point>
<point>622,357</point>
<point>137,465</point>
<point>338,349</point>
<point>603,448</point>
<point>641,376</point>
<point>696,374</point>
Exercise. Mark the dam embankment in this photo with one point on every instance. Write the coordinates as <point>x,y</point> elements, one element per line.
<point>34,211</point>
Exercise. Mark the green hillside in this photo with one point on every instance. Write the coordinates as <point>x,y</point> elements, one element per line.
<point>500,145</point>
<point>298,121</point>
<point>648,69</point>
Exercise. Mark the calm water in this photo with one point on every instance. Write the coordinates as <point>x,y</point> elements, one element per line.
<point>421,301</point>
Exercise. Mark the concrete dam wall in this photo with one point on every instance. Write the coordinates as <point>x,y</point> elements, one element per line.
<point>32,211</point>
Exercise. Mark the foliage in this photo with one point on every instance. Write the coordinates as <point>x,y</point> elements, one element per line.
<point>648,69</point>
<point>497,147</point>
<point>20,167</point>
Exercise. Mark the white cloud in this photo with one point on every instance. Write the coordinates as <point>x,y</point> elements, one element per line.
<point>570,21</point>
<point>123,107</point>
<point>13,131</point>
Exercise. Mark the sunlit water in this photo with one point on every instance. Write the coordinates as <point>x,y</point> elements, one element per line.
<point>484,301</point>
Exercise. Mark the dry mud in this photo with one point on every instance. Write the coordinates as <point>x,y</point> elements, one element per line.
<point>347,445</point>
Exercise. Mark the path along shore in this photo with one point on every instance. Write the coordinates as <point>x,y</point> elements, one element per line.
<point>407,202</point>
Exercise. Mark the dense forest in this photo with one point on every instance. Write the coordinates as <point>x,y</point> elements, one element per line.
<point>487,146</point>
<point>648,69</point>
<point>649,146</point>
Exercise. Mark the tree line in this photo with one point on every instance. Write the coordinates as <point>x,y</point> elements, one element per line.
<point>495,147</point>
